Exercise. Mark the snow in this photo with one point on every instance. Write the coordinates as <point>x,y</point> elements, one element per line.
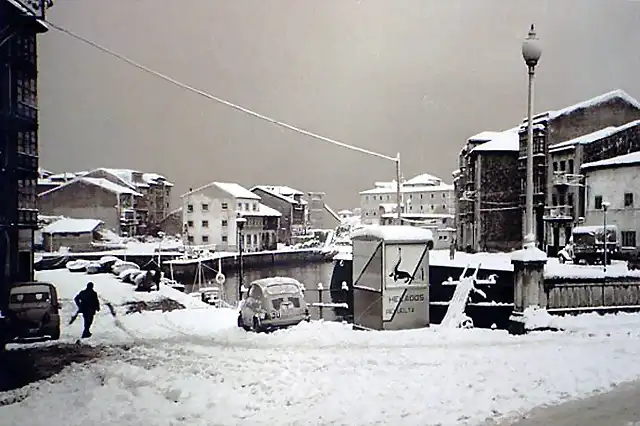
<point>424,179</point>
<point>263,211</point>
<point>584,139</point>
<point>155,179</point>
<point>233,189</point>
<point>529,253</point>
<point>484,136</point>
<point>101,182</point>
<point>394,233</point>
<point>110,186</point>
<point>72,226</point>
<point>508,140</point>
<point>195,367</point>
<point>632,159</point>
<point>391,189</point>
<point>598,100</point>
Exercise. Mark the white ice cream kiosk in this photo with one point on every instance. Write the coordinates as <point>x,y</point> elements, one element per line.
<point>391,277</point>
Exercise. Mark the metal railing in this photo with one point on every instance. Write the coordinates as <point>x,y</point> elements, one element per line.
<point>567,179</point>
<point>564,212</point>
<point>604,295</point>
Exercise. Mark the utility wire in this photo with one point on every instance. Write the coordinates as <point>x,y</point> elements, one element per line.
<point>215,98</point>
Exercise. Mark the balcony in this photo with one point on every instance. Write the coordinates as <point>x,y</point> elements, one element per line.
<point>567,179</point>
<point>558,213</point>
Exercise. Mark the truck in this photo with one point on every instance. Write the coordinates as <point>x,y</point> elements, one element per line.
<point>590,242</point>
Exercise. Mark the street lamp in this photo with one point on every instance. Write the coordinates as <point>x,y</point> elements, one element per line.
<point>531,52</point>
<point>240,221</point>
<point>605,207</point>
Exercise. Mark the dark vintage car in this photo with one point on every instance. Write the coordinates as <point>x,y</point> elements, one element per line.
<point>32,312</point>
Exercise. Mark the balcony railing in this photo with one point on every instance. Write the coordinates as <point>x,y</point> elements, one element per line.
<point>567,179</point>
<point>558,213</point>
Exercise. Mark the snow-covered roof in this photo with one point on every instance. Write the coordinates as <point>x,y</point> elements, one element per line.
<point>484,136</point>
<point>625,160</point>
<point>600,99</point>
<point>408,189</point>
<point>393,233</point>
<point>63,176</point>
<point>101,182</point>
<point>72,226</point>
<point>285,193</point>
<point>155,179</point>
<point>423,179</point>
<point>263,211</point>
<point>592,229</point>
<point>500,141</point>
<point>233,189</point>
<point>584,139</point>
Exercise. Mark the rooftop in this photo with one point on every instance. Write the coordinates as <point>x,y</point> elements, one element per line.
<point>263,211</point>
<point>626,160</point>
<point>233,189</point>
<point>72,226</point>
<point>507,140</point>
<point>101,182</point>
<point>283,192</point>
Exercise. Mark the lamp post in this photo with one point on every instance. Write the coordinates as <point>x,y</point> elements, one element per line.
<point>605,207</point>
<point>531,52</point>
<point>240,221</point>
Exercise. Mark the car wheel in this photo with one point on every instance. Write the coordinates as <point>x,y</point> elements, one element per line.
<point>257,326</point>
<point>241,323</point>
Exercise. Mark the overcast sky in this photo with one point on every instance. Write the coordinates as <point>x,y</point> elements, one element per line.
<point>408,76</point>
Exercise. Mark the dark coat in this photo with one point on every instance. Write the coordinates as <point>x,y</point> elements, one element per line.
<point>87,301</point>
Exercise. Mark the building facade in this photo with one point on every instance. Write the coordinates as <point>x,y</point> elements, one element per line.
<point>20,23</point>
<point>421,194</point>
<point>614,181</point>
<point>598,128</point>
<point>488,214</point>
<point>612,109</point>
<point>291,205</point>
<point>93,198</point>
<point>320,215</point>
<point>209,215</point>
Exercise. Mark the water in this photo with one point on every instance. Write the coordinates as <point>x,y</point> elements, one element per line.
<point>309,275</point>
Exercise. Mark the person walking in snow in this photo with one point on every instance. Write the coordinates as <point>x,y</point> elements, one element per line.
<point>88,304</point>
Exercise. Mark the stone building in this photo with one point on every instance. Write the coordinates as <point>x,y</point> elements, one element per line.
<point>563,140</point>
<point>488,206</point>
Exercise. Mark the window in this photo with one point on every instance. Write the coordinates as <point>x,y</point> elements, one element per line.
<point>205,223</point>
<point>628,199</point>
<point>224,239</point>
<point>255,207</point>
<point>555,166</point>
<point>224,223</point>
<point>444,195</point>
<point>248,239</point>
<point>562,166</point>
<point>598,202</point>
<point>205,238</point>
<point>205,207</point>
<point>27,194</point>
<point>246,206</point>
<point>224,206</point>
<point>570,202</point>
<point>190,239</point>
<point>571,166</point>
<point>27,142</point>
<point>432,195</point>
<point>554,200</point>
<point>628,238</point>
<point>255,239</point>
<point>190,223</point>
<point>189,208</point>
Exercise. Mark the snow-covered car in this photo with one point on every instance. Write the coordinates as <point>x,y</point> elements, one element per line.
<point>273,303</point>
<point>93,268</point>
<point>79,265</point>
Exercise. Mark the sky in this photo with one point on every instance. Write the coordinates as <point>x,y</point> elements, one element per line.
<point>408,76</point>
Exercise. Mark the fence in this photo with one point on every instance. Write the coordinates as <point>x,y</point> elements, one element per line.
<point>592,296</point>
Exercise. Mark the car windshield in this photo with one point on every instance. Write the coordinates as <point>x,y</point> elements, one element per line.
<point>28,297</point>
<point>282,288</point>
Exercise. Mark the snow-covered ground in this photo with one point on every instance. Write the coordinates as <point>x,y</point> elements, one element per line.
<point>195,367</point>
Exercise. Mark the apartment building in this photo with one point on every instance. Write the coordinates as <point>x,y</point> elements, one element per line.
<point>209,215</point>
<point>291,205</point>
<point>423,195</point>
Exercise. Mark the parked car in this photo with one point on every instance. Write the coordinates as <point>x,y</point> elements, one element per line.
<point>273,303</point>
<point>33,312</point>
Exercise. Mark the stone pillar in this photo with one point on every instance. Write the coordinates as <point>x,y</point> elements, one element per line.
<point>528,289</point>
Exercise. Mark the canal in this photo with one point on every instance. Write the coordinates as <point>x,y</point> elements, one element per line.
<point>310,275</point>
